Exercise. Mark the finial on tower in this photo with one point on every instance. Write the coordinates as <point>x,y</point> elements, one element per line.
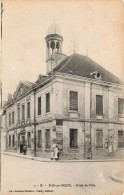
<point>74,46</point>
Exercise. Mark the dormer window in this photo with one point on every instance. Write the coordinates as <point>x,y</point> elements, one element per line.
<point>96,75</point>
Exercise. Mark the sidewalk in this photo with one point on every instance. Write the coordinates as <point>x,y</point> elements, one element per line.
<point>49,160</point>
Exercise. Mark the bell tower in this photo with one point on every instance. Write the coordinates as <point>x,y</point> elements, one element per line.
<point>54,53</point>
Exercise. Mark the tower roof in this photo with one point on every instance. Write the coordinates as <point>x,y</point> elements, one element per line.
<point>53,29</point>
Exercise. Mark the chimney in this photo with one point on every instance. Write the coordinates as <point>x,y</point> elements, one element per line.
<point>41,77</point>
<point>14,96</point>
<point>9,98</point>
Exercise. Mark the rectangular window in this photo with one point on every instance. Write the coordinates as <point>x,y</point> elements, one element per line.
<point>120,139</point>
<point>9,140</point>
<point>59,122</point>
<point>99,138</point>
<point>13,117</point>
<point>73,138</point>
<point>18,111</point>
<point>28,110</point>
<point>9,118</point>
<point>47,138</point>
<point>23,112</point>
<point>28,139</point>
<point>73,100</point>
<point>48,102</point>
<point>13,140</point>
<point>120,106</point>
<point>19,140</point>
<point>39,106</point>
<point>39,139</point>
<point>99,105</point>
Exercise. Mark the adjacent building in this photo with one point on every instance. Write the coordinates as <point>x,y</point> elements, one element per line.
<point>77,105</point>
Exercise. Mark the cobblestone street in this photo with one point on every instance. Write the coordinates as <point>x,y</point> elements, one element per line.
<point>30,176</point>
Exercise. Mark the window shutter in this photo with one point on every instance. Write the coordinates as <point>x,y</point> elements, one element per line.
<point>28,110</point>
<point>73,100</point>
<point>73,138</point>
<point>120,106</point>
<point>18,114</point>
<point>13,117</point>
<point>23,112</point>
<point>39,106</point>
<point>120,138</point>
<point>99,105</point>
<point>48,102</point>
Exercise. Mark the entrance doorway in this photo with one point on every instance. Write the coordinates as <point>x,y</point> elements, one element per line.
<point>23,139</point>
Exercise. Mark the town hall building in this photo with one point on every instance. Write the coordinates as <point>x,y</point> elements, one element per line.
<point>78,105</point>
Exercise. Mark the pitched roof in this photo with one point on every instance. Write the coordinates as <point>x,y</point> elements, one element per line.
<point>27,83</point>
<point>80,65</point>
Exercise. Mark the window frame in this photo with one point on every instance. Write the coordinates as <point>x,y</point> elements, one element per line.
<point>23,112</point>
<point>18,114</point>
<point>13,140</point>
<point>121,147</point>
<point>99,113</point>
<point>10,141</point>
<point>9,118</point>
<point>47,110</point>
<point>28,110</point>
<point>29,140</point>
<point>120,114</point>
<point>99,147</point>
<point>39,114</point>
<point>13,117</point>
<point>70,145</point>
<point>49,145</point>
<point>69,102</point>
<point>39,144</point>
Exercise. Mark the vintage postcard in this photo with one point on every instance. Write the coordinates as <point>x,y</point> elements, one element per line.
<point>62,78</point>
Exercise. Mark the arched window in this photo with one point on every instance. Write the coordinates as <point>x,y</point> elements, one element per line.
<point>58,46</point>
<point>52,44</point>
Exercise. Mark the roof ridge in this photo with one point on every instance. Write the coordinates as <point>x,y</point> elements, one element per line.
<point>76,64</point>
<point>66,62</point>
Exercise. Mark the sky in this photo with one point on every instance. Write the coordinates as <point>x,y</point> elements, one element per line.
<point>96,27</point>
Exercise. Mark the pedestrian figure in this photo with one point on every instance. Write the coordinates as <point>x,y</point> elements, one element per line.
<point>25,149</point>
<point>56,152</point>
<point>21,147</point>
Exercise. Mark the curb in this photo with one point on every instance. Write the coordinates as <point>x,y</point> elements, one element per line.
<point>62,161</point>
<point>114,178</point>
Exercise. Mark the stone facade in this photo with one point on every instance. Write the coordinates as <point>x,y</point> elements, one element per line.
<point>85,119</point>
